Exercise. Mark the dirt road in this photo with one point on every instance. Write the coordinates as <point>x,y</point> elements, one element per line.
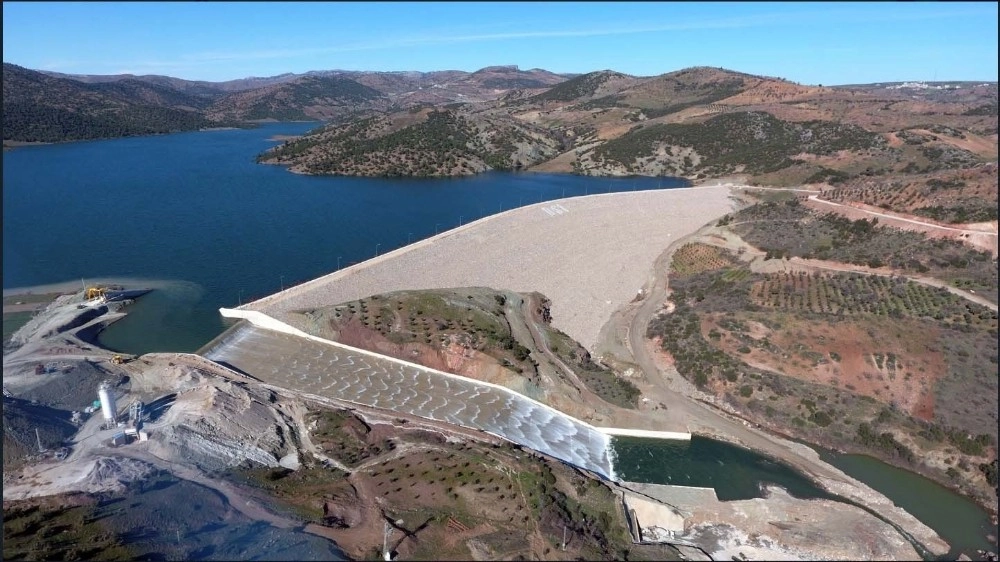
<point>723,238</point>
<point>686,405</point>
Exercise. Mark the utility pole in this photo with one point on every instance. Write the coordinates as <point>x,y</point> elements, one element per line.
<point>39,438</point>
<point>564,537</point>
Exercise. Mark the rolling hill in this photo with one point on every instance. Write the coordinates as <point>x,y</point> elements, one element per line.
<point>302,99</point>
<point>41,108</point>
<point>697,123</point>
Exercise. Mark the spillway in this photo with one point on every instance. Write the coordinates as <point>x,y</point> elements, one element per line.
<point>330,370</point>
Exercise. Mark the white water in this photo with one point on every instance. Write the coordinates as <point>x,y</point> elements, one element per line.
<point>300,364</point>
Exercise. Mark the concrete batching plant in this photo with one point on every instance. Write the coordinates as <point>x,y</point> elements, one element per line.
<point>108,406</point>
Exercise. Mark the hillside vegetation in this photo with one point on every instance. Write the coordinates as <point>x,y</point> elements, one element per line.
<point>867,364</point>
<point>308,98</point>
<point>420,142</point>
<point>695,123</point>
<point>39,108</point>
<point>790,229</point>
<point>500,337</point>
<point>749,142</point>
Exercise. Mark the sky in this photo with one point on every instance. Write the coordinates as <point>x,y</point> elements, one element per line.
<point>808,42</point>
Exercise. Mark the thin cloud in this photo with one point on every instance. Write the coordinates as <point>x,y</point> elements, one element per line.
<point>761,20</point>
<point>827,16</point>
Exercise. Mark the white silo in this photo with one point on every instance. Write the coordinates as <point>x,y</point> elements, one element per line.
<point>108,407</point>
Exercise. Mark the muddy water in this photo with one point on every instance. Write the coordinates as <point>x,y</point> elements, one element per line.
<point>734,472</point>
<point>326,370</point>
<point>737,473</point>
<point>960,522</point>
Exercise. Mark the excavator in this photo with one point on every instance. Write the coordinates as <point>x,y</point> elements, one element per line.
<point>95,292</point>
<point>117,360</point>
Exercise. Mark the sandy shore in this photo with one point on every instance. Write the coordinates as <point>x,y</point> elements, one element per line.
<point>589,255</point>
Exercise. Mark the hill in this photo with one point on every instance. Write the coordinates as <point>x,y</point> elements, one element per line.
<point>189,86</point>
<point>500,337</point>
<point>51,107</point>
<point>40,108</point>
<point>304,98</point>
<point>423,141</point>
<point>697,123</point>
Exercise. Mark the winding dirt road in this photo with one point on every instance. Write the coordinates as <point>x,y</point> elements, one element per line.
<point>687,406</point>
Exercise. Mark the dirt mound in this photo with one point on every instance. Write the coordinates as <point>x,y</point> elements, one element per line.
<point>65,385</point>
<point>21,419</point>
<point>216,424</point>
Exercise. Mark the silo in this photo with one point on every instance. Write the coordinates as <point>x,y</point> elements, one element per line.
<point>108,406</point>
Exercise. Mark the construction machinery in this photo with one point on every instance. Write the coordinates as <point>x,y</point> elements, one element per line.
<point>96,292</point>
<point>117,360</point>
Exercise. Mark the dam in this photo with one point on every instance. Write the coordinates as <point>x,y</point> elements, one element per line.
<point>535,248</point>
<point>278,356</point>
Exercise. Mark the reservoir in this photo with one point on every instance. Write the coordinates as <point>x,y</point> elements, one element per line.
<point>193,216</point>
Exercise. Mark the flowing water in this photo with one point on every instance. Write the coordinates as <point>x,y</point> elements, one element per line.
<point>332,371</point>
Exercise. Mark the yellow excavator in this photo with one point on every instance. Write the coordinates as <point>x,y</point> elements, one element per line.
<point>95,292</point>
<point>117,360</point>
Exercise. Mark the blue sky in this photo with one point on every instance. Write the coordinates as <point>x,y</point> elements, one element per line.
<point>810,42</point>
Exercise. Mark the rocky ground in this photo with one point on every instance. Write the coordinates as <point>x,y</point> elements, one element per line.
<point>319,468</point>
<point>778,527</point>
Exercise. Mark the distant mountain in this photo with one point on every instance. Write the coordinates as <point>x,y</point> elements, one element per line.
<point>38,106</point>
<point>42,108</point>
<point>304,98</point>
<point>188,86</point>
<point>414,88</point>
<point>588,86</point>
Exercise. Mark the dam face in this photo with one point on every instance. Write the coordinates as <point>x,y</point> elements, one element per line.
<point>332,371</point>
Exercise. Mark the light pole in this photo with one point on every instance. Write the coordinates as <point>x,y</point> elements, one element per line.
<point>376,249</point>
<point>338,262</point>
<point>240,301</point>
<point>459,220</point>
<point>409,235</point>
<point>436,225</point>
<point>282,282</point>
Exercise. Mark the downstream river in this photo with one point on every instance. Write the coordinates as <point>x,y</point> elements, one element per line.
<point>193,216</point>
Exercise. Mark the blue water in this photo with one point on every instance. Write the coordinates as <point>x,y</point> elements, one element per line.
<point>195,209</point>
